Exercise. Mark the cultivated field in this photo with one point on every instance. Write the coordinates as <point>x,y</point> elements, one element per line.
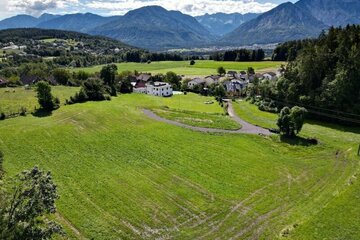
<point>201,68</point>
<point>123,175</point>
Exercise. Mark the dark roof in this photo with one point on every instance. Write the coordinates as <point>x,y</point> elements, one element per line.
<point>28,80</point>
<point>214,77</point>
<point>271,74</point>
<point>144,77</point>
<point>132,78</point>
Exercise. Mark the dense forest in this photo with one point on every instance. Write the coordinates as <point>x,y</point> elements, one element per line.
<point>324,77</point>
<point>288,51</point>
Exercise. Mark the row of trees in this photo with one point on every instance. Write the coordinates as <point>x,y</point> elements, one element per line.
<point>240,55</point>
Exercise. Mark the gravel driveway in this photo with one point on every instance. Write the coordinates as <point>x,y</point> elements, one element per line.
<point>247,128</point>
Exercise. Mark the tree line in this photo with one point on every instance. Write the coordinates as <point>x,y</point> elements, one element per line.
<point>288,51</point>
<point>239,55</point>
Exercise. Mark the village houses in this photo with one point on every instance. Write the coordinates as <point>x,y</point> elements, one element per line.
<point>144,84</point>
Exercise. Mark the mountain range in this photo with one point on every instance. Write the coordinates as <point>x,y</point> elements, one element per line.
<point>156,28</point>
<point>289,21</point>
<point>220,24</point>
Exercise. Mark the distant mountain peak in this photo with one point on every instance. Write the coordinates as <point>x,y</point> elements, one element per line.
<point>223,23</point>
<point>155,27</point>
<point>285,22</point>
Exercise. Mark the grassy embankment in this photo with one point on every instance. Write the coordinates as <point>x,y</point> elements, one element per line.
<point>123,175</point>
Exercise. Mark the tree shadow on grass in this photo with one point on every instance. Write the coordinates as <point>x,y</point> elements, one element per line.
<point>299,141</point>
<point>40,113</point>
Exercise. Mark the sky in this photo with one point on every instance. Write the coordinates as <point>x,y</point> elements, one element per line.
<point>120,7</point>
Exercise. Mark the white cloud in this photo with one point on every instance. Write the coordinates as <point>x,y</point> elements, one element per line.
<point>120,7</point>
<point>36,7</point>
<point>192,7</point>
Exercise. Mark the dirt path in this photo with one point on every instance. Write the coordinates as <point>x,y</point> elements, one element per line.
<point>246,127</point>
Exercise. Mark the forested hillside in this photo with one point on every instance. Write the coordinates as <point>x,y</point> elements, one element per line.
<point>325,74</point>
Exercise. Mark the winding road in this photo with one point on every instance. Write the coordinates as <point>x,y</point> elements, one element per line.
<point>247,128</point>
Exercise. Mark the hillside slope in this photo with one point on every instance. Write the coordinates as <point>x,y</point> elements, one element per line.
<point>332,12</point>
<point>27,35</point>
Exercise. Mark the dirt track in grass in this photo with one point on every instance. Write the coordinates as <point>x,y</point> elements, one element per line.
<point>247,128</point>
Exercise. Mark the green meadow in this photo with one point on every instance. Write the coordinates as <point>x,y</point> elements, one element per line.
<point>13,99</point>
<point>201,67</point>
<point>122,175</point>
<point>199,119</point>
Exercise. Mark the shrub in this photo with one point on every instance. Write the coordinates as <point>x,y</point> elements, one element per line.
<point>2,116</point>
<point>92,90</point>
<point>290,121</point>
<point>23,111</point>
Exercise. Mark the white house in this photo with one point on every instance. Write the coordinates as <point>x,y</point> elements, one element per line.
<point>159,89</point>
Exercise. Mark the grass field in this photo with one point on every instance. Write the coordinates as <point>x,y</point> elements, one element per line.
<point>10,51</point>
<point>198,119</point>
<point>250,113</point>
<point>123,175</point>
<point>12,99</point>
<point>201,68</point>
<point>339,218</point>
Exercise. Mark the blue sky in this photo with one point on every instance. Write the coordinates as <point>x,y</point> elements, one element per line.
<point>120,7</point>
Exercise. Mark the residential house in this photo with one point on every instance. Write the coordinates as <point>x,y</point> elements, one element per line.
<point>161,89</point>
<point>242,75</point>
<point>235,85</point>
<point>144,84</point>
<point>271,76</point>
<point>231,74</point>
<point>213,79</point>
<point>139,82</point>
<point>195,82</point>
